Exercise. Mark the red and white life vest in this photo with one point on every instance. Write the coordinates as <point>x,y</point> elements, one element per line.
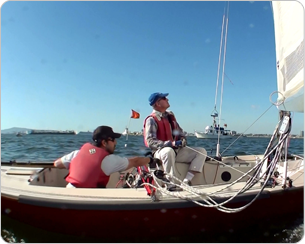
<point>85,169</point>
<point>165,128</point>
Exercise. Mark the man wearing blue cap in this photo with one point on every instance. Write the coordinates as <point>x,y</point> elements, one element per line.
<point>163,135</point>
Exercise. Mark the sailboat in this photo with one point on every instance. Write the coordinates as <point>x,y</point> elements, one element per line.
<point>231,193</point>
<point>125,132</point>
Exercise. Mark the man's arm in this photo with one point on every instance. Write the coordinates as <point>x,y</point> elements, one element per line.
<point>114,163</point>
<point>59,164</point>
<point>64,162</point>
<point>137,161</point>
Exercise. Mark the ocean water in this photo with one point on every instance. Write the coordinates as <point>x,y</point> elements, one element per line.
<point>47,148</point>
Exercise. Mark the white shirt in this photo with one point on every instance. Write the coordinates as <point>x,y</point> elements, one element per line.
<point>110,164</point>
<point>67,158</point>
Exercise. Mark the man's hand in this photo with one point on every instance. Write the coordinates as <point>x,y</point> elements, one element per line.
<point>154,162</point>
<point>157,161</point>
<point>177,143</point>
<point>183,142</point>
<point>59,164</point>
<point>180,143</point>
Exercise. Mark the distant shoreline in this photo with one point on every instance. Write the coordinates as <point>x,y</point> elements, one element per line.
<point>137,134</point>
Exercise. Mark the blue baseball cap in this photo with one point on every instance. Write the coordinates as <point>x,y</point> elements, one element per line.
<point>155,96</point>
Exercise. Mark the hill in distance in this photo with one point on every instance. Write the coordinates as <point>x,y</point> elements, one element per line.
<point>14,130</point>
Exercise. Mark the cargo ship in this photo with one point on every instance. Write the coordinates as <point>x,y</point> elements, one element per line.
<point>52,132</point>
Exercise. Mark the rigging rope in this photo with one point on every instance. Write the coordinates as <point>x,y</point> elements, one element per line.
<point>247,129</point>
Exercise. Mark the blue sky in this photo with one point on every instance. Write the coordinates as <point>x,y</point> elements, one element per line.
<point>78,65</point>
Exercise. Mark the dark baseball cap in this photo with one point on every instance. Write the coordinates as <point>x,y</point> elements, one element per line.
<point>155,96</point>
<point>103,132</point>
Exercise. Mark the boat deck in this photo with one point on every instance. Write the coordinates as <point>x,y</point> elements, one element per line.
<point>15,184</point>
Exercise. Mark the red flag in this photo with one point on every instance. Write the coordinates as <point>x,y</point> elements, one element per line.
<point>134,114</point>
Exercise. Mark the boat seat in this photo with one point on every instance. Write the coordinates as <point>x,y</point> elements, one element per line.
<point>213,173</point>
<point>50,177</point>
<point>16,171</point>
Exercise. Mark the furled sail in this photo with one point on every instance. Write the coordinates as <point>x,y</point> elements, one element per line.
<point>289,42</point>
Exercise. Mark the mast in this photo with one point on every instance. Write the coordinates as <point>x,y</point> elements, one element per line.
<point>225,23</point>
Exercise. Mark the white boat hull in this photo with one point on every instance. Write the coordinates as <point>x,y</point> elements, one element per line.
<point>203,135</point>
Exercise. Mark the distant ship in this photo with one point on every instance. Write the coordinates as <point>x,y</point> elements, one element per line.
<point>125,132</point>
<point>85,133</point>
<point>52,132</point>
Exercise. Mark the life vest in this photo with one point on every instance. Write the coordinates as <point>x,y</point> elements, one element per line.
<point>85,169</point>
<point>165,128</point>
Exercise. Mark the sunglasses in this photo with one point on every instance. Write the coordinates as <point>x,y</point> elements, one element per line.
<point>162,98</point>
<point>110,139</point>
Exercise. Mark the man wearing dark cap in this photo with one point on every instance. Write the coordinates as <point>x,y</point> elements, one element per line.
<point>163,135</point>
<point>92,165</point>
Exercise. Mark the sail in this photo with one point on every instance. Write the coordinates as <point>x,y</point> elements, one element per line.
<point>289,42</point>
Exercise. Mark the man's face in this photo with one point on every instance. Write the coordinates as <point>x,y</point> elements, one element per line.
<point>162,103</point>
<point>110,145</point>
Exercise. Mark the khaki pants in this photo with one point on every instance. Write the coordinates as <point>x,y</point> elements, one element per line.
<point>184,155</point>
